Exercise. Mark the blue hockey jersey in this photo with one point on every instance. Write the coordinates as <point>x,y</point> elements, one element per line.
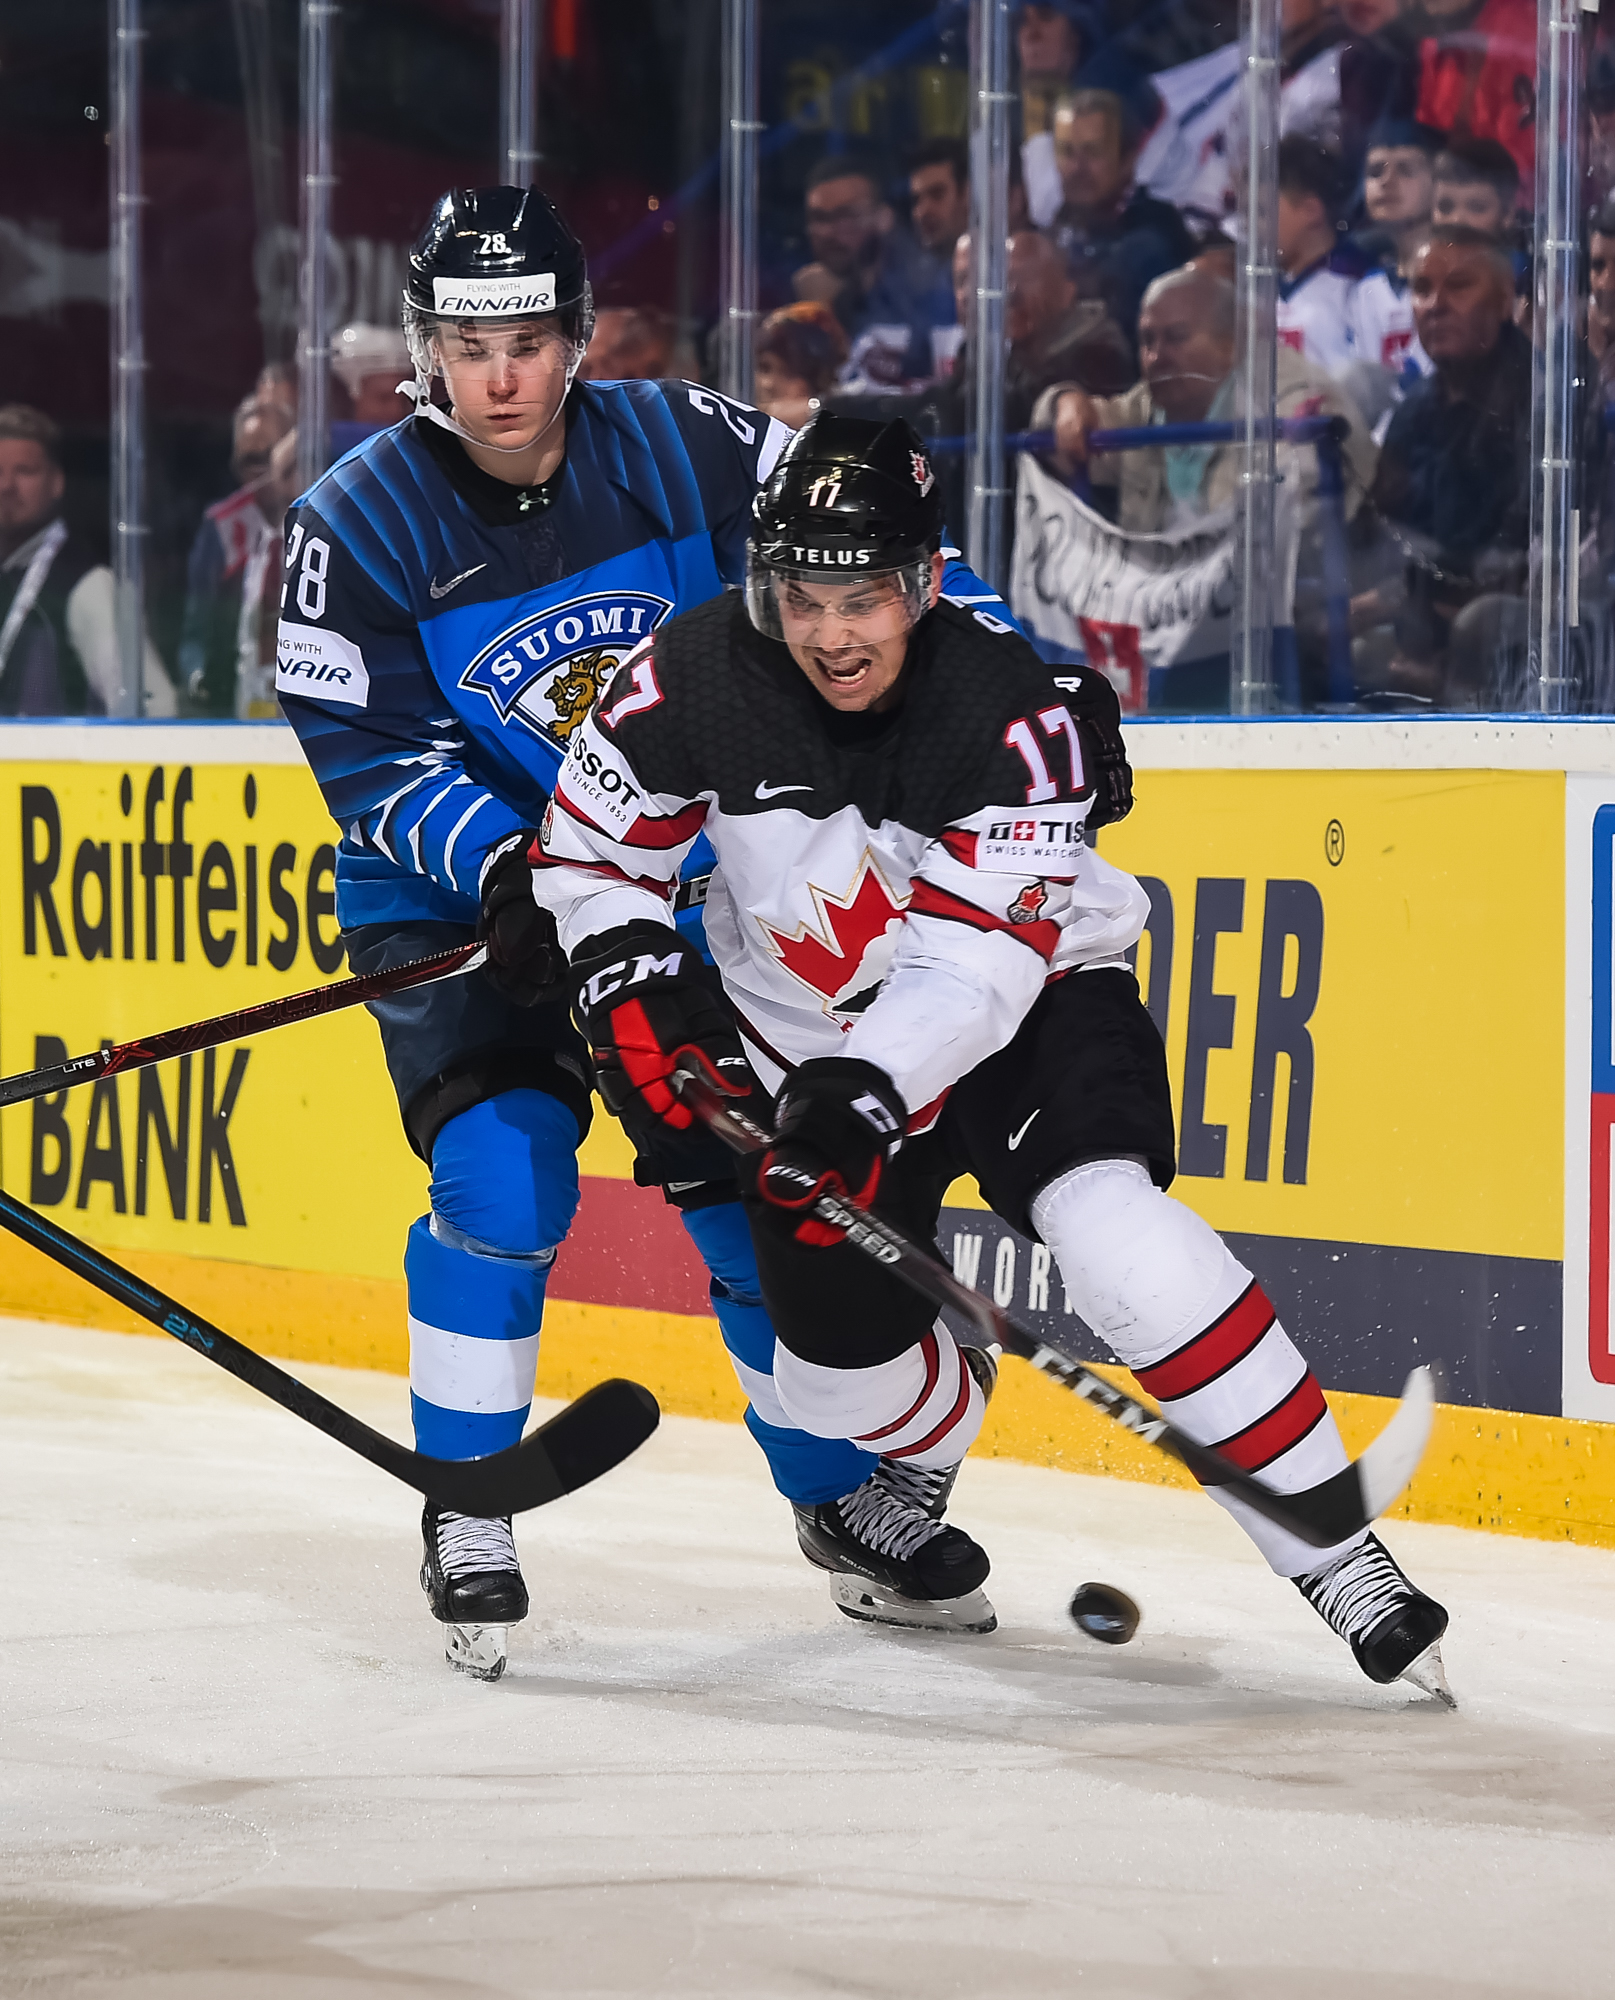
<point>443,634</point>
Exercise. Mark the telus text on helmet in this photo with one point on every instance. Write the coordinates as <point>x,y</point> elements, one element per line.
<point>494,298</point>
<point>829,558</point>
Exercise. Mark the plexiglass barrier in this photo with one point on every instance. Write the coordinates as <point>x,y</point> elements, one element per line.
<point>1266,352</point>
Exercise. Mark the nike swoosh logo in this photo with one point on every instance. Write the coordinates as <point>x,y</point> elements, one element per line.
<point>443,589</point>
<point>773,791</point>
<point>1017,1137</point>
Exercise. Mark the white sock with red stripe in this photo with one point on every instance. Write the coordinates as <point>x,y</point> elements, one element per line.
<point>925,1406</point>
<point>1198,1332</point>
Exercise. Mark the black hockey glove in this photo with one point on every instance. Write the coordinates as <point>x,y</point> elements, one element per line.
<point>525,962</point>
<point>644,1005</point>
<point>838,1123</point>
<point>1098,716</point>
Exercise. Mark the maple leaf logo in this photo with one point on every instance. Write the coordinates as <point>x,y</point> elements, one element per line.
<point>829,953</point>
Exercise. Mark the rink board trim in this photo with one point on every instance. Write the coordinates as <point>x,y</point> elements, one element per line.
<point>1547,1477</point>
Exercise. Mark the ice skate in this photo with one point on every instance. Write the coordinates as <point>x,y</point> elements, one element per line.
<point>473,1584</point>
<point>891,1563</point>
<point>1393,1629</point>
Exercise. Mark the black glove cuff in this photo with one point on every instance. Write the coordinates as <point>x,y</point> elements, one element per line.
<point>860,1091</point>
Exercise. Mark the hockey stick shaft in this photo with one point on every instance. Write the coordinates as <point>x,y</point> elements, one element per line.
<point>1321,1516</point>
<point>585,1439</point>
<point>244,1021</point>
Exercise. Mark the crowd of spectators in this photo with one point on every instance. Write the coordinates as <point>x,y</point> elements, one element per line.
<point>1405,199</point>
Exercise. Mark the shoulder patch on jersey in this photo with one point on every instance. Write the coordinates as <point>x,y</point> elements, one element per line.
<point>1050,844</point>
<point>321,664</point>
<point>545,671</point>
<point>597,781</point>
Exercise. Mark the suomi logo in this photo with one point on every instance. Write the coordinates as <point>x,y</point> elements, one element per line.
<point>545,671</point>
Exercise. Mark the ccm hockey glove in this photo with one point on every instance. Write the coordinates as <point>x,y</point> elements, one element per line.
<point>644,1004</point>
<point>524,961</point>
<point>1098,716</point>
<point>838,1123</point>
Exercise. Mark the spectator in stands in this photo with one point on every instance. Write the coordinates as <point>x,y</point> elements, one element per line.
<point>1186,341</point>
<point>259,619</point>
<point>1477,74</point>
<point>884,290</point>
<point>1453,490</point>
<point>58,638</point>
<point>369,362</point>
<point>939,196</point>
<point>277,384</point>
<point>800,352</point>
<point>1316,276</point>
<point>1379,72</point>
<point>1601,287</point>
<point>1398,185</point>
<point>232,536</point>
<point>630,344</point>
<point>1477,186</point>
<point>1050,42</point>
<point>1115,237</point>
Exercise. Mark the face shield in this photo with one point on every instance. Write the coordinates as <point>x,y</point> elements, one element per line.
<point>809,606</point>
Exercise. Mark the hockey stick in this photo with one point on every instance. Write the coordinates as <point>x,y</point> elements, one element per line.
<point>579,1443</point>
<point>244,1021</point>
<point>1330,1512</point>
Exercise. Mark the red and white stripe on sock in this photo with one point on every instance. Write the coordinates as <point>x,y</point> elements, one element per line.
<point>924,1405</point>
<point>1240,1385</point>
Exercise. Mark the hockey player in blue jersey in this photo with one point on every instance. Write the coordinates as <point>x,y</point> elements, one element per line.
<point>457,591</point>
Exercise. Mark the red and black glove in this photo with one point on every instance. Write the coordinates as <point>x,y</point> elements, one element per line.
<point>525,961</point>
<point>643,1002</point>
<point>1097,713</point>
<point>838,1123</point>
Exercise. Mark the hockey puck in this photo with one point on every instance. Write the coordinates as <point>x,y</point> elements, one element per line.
<point>1104,1613</point>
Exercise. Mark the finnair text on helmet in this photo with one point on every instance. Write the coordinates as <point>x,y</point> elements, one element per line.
<point>494,298</point>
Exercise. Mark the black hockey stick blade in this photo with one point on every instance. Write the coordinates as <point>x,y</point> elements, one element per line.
<point>578,1444</point>
<point>244,1021</point>
<point>1322,1515</point>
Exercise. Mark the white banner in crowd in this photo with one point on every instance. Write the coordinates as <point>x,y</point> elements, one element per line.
<point>1127,603</point>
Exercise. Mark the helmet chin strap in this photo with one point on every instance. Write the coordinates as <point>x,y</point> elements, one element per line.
<point>419,392</point>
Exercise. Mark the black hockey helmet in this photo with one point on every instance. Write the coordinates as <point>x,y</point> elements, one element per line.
<point>850,498</point>
<point>495,253</point>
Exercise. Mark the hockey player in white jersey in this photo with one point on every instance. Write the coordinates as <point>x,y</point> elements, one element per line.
<point>924,957</point>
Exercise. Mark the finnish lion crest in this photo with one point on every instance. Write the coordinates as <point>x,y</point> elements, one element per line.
<point>544,672</point>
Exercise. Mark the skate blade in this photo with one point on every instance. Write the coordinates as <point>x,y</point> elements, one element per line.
<point>857,1597</point>
<point>1429,1676</point>
<point>479,1651</point>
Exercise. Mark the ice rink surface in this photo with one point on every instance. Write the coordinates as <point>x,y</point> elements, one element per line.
<point>235,1766</point>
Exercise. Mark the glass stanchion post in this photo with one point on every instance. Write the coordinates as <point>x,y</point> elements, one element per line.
<point>1553,609</point>
<point>737,197</point>
<point>521,26</point>
<point>314,266</point>
<point>128,510</point>
<point>1256,355</point>
<point>986,527</point>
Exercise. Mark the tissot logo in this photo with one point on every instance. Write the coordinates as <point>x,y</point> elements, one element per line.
<point>545,671</point>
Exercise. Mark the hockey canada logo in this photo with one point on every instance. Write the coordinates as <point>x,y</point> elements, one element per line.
<point>924,477</point>
<point>545,671</point>
<point>843,952</point>
<point>1029,905</point>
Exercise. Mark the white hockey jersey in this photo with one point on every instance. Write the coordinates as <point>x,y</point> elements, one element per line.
<point>1382,328</point>
<point>897,888</point>
<point>1313,316</point>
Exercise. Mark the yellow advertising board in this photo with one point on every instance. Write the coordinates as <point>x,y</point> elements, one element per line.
<point>1359,975</point>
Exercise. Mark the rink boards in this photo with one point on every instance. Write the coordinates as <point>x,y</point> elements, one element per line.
<point>1380,955</point>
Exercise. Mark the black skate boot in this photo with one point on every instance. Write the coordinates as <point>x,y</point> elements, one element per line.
<point>473,1584</point>
<point>930,1487</point>
<point>890,1563</point>
<point>1393,1629</point>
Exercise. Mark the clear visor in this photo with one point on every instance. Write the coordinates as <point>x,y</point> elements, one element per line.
<point>496,346</point>
<point>831,612</point>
